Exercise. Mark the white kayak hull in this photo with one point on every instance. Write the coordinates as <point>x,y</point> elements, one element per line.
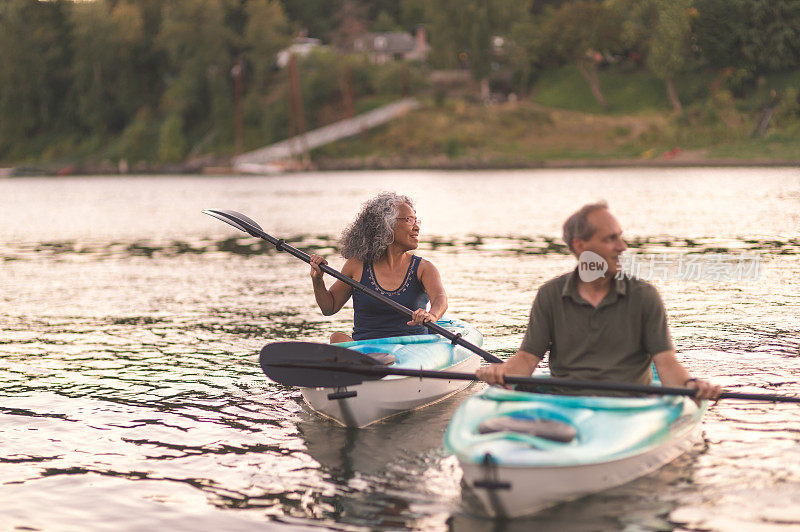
<point>523,452</point>
<point>373,401</point>
<point>524,491</point>
<point>378,400</point>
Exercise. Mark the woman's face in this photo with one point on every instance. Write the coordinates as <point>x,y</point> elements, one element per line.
<point>406,231</point>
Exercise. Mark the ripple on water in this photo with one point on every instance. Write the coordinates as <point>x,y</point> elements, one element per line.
<point>72,250</point>
<point>132,395</point>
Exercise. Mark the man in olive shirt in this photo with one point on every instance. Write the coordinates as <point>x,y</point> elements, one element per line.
<point>595,325</point>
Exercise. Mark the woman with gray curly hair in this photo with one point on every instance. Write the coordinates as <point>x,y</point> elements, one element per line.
<point>378,247</point>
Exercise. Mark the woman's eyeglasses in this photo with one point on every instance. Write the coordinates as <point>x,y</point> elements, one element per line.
<point>411,220</point>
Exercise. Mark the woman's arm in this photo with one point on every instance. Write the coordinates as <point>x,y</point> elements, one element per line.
<point>331,301</point>
<point>432,282</point>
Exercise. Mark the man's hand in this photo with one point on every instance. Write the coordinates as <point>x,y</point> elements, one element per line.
<point>520,364</point>
<point>672,373</point>
<point>706,391</point>
<point>493,374</point>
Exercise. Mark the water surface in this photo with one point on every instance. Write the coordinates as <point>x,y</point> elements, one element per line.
<point>132,397</point>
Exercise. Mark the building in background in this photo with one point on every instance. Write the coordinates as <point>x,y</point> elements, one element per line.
<point>393,46</point>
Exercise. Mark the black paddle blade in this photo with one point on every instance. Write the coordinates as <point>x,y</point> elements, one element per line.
<point>236,219</point>
<point>314,365</point>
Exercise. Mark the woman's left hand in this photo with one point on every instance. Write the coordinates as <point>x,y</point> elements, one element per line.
<point>420,316</point>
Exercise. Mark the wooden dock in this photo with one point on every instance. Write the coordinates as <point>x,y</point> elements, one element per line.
<point>269,156</point>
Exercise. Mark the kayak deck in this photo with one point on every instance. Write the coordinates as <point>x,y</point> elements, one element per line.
<point>423,351</point>
<point>613,440</point>
<point>608,428</point>
<point>371,401</point>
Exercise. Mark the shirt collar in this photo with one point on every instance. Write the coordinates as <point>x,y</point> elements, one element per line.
<point>619,288</point>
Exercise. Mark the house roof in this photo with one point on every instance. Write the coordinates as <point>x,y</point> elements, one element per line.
<point>389,42</point>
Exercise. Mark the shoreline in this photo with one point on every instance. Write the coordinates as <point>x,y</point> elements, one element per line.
<point>567,164</point>
<point>339,165</point>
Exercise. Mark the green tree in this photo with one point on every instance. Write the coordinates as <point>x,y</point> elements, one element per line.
<point>389,8</point>
<point>412,14</point>
<point>521,48</point>
<point>670,46</point>
<point>460,35</point>
<point>266,32</point>
<point>199,48</point>
<point>661,31</point>
<point>142,65</point>
<point>462,31</point>
<point>581,32</point>
<point>171,140</point>
<point>638,18</point>
<point>314,17</point>
<point>34,69</point>
<point>756,35</point>
<point>384,22</point>
<point>139,139</point>
<point>103,41</point>
<point>719,28</point>
<point>771,40</point>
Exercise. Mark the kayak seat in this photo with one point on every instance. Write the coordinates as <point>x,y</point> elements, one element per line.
<point>382,359</point>
<point>422,351</point>
<point>540,428</point>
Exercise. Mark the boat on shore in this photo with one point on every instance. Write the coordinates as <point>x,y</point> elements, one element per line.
<point>523,452</point>
<point>371,401</point>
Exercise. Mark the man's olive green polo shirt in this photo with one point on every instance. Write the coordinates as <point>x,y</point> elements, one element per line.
<point>613,342</point>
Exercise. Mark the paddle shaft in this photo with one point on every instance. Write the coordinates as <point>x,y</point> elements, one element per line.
<point>281,245</point>
<point>538,381</point>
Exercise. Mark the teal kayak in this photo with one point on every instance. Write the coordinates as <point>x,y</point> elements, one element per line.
<point>523,452</point>
<point>372,401</point>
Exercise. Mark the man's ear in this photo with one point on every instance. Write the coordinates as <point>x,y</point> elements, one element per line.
<point>579,245</point>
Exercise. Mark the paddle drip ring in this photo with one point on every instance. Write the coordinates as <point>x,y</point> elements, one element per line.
<point>279,244</point>
<point>456,338</point>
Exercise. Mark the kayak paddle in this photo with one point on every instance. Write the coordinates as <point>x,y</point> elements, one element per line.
<point>313,365</point>
<point>243,223</point>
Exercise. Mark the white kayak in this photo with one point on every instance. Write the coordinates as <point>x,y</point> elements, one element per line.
<point>523,452</point>
<point>363,404</point>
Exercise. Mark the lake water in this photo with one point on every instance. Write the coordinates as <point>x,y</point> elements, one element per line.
<point>131,397</point>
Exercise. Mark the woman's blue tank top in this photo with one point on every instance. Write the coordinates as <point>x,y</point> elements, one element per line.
<point>374,319</point>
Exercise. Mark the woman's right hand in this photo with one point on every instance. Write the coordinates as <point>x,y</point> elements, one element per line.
<point>316,271</point>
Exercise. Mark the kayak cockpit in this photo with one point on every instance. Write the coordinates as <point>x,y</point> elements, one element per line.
<point>423,351</point>
<point>531,429</point>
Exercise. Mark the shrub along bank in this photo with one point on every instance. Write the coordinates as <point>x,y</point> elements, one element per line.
<point>561,123</point>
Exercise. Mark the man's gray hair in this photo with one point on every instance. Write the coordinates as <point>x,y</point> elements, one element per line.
<point>367,238</point>
<point>578,226</point>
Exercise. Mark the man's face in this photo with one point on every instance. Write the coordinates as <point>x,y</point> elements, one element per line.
<point>607,240</point>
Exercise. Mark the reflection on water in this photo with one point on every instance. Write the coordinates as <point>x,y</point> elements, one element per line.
<point>131,392</point>
<point>621,508</point>
<point>327,245</point>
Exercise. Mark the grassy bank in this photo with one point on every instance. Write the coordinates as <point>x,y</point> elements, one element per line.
<point>562,123</point>
<point>559,123</point>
